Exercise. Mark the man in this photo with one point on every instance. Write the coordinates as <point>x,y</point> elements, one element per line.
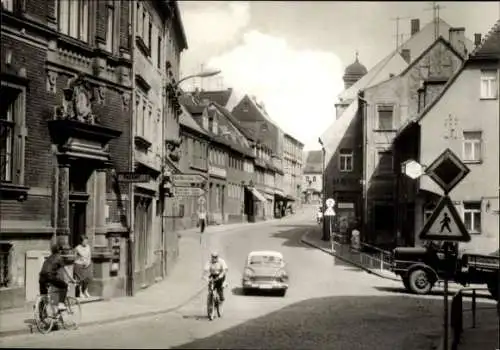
<point>319,215</point>
<point>49,275</point>
<point>217,270</point>
<point>202,219</point>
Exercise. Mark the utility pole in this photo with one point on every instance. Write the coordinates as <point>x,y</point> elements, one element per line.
<point>397,19</point>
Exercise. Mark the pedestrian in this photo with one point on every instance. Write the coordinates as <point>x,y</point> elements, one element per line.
<point>82,269</point>
<point>202,219</point>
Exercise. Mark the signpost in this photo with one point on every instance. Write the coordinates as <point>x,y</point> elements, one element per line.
<point>330,213</point>
<point>188,191</point>
<point>445,223</point>
<point>181,180</point>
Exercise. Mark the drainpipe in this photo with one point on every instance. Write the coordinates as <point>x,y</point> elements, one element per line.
<point>131,239</point>
<point>364,103</point>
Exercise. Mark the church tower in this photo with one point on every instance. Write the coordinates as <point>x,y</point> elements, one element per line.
<point>353,73</point>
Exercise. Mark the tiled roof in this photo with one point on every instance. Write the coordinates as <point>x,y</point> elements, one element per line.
<point>233,120</point>
<point>220,97</point>
<point>314,162</point>
<point>490,45</point>
<point>187,120</point>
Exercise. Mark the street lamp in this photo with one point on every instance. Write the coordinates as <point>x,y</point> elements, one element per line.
<point>205,74</point>
<point>323,192</point>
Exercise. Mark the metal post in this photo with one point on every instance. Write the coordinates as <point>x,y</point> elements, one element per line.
<point>323,200</point>
<point>445,339</point>
<point>381,261</point>
<point>473,308</point>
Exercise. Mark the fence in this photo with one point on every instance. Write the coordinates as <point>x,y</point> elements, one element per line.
<point>367,255</point>
<point>457,312</point>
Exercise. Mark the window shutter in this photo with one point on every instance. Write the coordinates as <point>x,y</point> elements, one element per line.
<point>20,133</point>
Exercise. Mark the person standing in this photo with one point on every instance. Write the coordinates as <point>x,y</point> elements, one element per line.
<point>82,269</point>
<point>202,219</point>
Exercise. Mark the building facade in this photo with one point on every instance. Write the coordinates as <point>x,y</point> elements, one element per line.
<point>387,106</point>
<point>292,159</point>
<point>312,178</point>
<point>450,121</point>
<point>59,183</point>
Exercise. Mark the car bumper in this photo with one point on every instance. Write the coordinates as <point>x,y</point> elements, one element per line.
<point>264,285</point>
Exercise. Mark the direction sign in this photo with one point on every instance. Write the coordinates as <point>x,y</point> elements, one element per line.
<point>412,169</point>
<point>188,191</point>
<point>445,224</point>
<point>133,177</point>
<point>330,202</point>
<point>187,179</point>
<point>447,170</point>
<point>329,212</point>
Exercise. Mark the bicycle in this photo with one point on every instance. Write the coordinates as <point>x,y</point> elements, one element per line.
<point>46,313</point>
<point>213,301</point>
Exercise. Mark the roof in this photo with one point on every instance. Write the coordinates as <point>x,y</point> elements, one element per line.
<point>220,97</point>
<point>493,35</point>
<point>177,15</point>
<point>314,161</point>
<point>233,120</point>
<point>356,68</point>
<point>490,45</point>
<point>187,120</point>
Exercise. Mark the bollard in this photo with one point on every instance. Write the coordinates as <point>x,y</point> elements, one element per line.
<point>473,308</point>
<point>381,261</point>
<point>456,319</point>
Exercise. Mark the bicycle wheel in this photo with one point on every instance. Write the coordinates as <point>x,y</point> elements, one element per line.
<point>218,306</point>
<point>72,316</point>
<point>43,314</point>
<point>210,307</point>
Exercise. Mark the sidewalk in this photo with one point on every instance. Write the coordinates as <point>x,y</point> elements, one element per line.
<point>486,333</point>
<point>313,238</point>
<point>183,284</point>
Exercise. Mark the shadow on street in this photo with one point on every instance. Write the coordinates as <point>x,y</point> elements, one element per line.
<point>346,322</point>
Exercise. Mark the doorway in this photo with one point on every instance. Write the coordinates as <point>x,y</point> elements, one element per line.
<point>77,221</point>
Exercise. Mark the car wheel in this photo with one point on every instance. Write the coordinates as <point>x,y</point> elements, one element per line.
<point>419,282</point>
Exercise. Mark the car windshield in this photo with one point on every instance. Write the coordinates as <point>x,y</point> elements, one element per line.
<point>265,260</point>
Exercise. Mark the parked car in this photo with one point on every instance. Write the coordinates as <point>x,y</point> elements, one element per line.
<point>265,270</point>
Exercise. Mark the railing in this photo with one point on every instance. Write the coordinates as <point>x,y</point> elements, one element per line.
<point>368,256</point>
<point>457,311</point>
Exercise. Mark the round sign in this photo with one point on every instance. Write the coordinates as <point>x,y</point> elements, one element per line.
<point>413,169</point>
<point>330,202</point>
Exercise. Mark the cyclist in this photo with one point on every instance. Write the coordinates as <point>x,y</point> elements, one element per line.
<point>49,275</point>
<point>217,270</point>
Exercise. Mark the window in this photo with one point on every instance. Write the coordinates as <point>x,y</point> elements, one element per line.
<point>12,134</point>
<point>472,216</point>
<point>385,117</point>
<point>158,64</point>
<point>150,32</point>
<point>489,84</point>
<point>8,5</point>
<point>73,18</point>
<point>110,32</point>
<point>345,160</point>
<point>5,265</point>
<point>472,146</point>
<point>384,162</point>
<point>314,178</point>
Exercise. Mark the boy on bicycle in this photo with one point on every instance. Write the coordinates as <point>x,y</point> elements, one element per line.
<point>217,270</point>
<point>49,275</point>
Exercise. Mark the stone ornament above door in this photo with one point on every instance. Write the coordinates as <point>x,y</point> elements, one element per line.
<point>77,102</point>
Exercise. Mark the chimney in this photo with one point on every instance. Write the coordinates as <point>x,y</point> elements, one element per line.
<point>415,26</point>
<point>457,39</point>
<point>477,39</point>
<point>405,53</point>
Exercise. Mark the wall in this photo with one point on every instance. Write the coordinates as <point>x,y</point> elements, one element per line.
<point>462,102</point>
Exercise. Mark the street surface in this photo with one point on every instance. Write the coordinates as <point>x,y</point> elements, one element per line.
<point>328,306</point>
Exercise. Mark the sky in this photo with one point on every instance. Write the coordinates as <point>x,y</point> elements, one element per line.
<point>291,55</point>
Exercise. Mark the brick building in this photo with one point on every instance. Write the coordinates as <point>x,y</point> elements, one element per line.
<point>451,120</point>
<point>58,156</point>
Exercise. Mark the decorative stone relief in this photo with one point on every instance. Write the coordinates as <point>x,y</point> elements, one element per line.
<point>100,92</point>
<point>51,81</point>
<point>126,100</point>
<point>77,102</point>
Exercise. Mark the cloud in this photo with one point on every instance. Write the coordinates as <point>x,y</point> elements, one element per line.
<point>298,87</point>
<point>211,27</point>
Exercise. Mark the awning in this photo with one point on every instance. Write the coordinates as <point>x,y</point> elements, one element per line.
<point>257,194</point>
<point>334,134</point>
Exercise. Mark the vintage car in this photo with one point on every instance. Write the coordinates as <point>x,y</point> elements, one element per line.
<point>265,270</point>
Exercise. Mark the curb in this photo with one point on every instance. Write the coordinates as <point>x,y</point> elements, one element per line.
<point>31,328</point>
<point>309,243</point>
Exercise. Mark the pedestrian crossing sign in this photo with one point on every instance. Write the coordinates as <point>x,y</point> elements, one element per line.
<point>329,212</point>
<point>445,224</point>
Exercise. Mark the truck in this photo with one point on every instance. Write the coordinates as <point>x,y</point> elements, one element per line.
<point>421,267</point>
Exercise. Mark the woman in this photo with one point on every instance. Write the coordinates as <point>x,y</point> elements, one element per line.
<point>83,270</point>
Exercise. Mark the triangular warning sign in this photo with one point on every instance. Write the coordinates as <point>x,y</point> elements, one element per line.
<point>445,224</point>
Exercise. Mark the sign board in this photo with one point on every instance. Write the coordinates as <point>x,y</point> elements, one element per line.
<point>187,179</point>
<point>447,170</point>
<point>188,191</point>
<point>412,169</point>
<point>329,212</point>
<point>445,224</point>
<point>133,177</point>
<point>330,202</point>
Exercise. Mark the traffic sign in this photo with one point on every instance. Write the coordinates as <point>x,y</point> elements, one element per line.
<point>187,179</point>
<point>412,169</point>
<point>330,202</point>
<point>188,191</point>
<point>329,212</point>
<point>447,170</point>
<point>445,224</point>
